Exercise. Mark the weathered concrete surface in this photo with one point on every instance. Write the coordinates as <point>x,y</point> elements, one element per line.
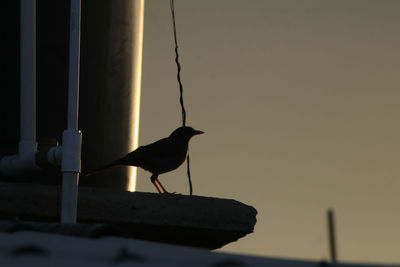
<point>179,219</point>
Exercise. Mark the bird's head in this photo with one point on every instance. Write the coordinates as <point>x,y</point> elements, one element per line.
<point>185,132</point>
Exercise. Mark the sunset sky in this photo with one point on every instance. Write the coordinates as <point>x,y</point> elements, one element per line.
<point>300,104</point>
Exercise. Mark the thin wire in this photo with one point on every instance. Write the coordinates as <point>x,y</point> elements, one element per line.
<point>178,76</point>
<point>172,5</point>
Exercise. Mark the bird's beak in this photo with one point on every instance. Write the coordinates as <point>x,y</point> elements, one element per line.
<point>198,132</point>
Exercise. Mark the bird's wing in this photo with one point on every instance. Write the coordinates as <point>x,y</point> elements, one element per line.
<point>159,157</point>
<point>163,148</point>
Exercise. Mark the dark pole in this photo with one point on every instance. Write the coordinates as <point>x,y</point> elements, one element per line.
<point>332,239</point>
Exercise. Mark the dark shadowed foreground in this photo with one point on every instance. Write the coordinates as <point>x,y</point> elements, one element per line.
<point>179,219</point>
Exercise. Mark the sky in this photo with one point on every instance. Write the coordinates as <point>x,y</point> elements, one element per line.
<point>299,102</point>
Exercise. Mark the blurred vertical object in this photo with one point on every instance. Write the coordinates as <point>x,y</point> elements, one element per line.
<point>111,62</point>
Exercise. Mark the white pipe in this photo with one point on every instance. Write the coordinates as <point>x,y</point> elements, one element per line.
<point>54,155</point>
<point>18,164</point>
<point>72,137</point>
<point>27,143</point>
<point>25,161</point>
<point>69,197</point>
<point>27,147</point>
<point>74,57</point>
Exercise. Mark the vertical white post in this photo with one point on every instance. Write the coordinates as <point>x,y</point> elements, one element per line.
<point>74,58</point>
<point>72,137</point>
<point>27,142</point>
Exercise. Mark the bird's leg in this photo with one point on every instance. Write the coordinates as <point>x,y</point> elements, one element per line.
<point>153,179</point>
<point>162,187</point>
<point>158,189</point>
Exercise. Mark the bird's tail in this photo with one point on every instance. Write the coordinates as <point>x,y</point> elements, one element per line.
<point>96,171</point>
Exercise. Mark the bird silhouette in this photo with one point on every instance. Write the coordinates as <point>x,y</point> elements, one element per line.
<point>162,156</point>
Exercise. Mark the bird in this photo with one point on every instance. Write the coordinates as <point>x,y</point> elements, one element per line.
<point>162,156</point>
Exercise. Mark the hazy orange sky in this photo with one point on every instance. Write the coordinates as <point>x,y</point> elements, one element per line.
<point>300,104</point>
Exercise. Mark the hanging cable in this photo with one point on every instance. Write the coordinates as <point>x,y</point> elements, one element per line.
<point>172,6</point>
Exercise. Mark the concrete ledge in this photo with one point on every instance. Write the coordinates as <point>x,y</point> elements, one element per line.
<point>188,220</point>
